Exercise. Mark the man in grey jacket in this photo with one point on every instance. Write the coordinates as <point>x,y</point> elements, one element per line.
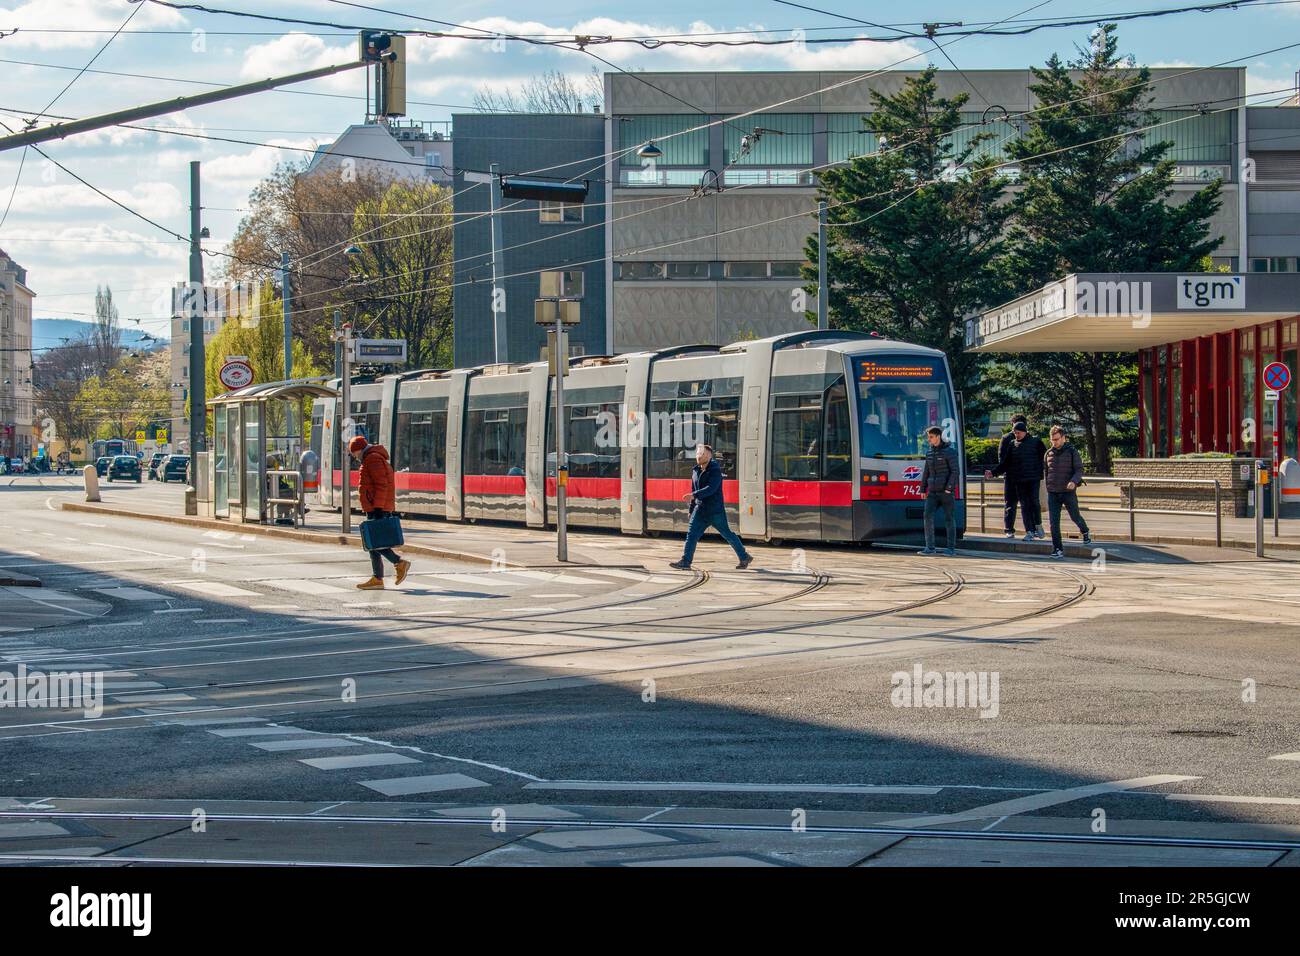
<point>1063,466</point>
<point>939,485</point>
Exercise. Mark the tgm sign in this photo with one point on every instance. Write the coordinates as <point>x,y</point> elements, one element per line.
<point>1211,292</point>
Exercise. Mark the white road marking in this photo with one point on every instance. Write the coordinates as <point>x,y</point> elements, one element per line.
<point>180,610</point>
<point>431,783</point>
<point>215,588</point>
<point>306,743</point>
<point>131,594</point>
<point>122,547</point>
<point>221,620</point>
<point>1227,798</point>
<point>57,607</point>
<point>91,524</point>
<point>148,698</point>
<point>1037,801</point>
<point>711,787</point>
<point>304,586</point>
<point>597,839</point>
<point>273,607</point>
<point>257,731</point>
<point>32,828</point>
<point>353,761</point>
<point>118,624</point>
<point>1294,756</point>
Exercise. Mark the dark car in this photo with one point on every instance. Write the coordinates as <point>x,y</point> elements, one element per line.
<point>154,462</point>
<point>124,466</point>
<point>174,466</point>
<point>101,465</point>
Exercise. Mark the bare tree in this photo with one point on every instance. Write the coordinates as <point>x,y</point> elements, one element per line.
<point>552,92</point>
<point>106,336</point>
<point>58,378</point>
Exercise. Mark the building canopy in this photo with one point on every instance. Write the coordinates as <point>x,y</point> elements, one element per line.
<point>1125,312</point>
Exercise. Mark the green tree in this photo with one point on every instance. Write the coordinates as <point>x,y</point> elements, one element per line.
<point>259,335</point>
<point>916,229</point>
<point>404,271</point>
<point>130,397</point>
<point>1095,197</point>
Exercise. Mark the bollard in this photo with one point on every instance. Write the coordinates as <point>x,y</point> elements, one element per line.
<point>191,500</point>
<point>92,482</point>
<point>1261,479</point>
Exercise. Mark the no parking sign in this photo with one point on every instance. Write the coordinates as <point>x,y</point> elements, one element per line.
<point>1277,376</point>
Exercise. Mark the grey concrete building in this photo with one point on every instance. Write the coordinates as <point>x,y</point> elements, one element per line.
<point>724,265</point>
<point>548,249</point>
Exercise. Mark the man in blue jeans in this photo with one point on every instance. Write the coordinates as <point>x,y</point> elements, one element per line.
<point>939,483</point>
<point>707,510</point>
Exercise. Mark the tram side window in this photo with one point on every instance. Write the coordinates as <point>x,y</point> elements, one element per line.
<point>687,412</point>
<point>317,427</point>
<point>837,443</point>
<point>588,457</point>
<point>497,439</point>
<point>796,437</point>
<point>414,450</point>
<point>722,431</point>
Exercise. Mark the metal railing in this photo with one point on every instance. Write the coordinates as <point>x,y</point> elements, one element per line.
<point>1132,511</point>
<point>273,482</point>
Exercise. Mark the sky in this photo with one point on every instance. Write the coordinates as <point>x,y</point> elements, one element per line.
<point>71,240</point>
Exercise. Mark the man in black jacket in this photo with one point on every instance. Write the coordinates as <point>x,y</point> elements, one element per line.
<point>1064,468</point>
<point>939,485</point>
<point>1021,461</point>
<point>707,510</point>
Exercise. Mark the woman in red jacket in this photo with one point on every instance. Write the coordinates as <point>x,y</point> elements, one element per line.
<point>377,500</point>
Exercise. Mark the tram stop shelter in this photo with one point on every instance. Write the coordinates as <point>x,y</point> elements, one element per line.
<point>1203,341</point>
<point>259,435</point>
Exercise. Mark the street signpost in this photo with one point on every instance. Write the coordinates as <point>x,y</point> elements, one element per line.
<point>562,312</point>
<point>236,374</point>
<point>1277,377</point>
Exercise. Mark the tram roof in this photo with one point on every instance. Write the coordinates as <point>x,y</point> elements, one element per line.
<point>1126,311</point>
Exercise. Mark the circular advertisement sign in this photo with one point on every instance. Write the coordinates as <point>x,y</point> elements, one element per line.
<point>235,375</point>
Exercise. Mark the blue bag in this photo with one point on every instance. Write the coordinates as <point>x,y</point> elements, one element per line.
<point>380,533</point>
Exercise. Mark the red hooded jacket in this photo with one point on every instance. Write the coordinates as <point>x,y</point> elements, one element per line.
<point>376,483</point>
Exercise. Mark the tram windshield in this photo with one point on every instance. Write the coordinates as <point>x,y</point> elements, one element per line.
<point>898,399</point>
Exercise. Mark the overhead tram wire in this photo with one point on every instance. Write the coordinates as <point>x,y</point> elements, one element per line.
<point>690,239</point>
<point>657,43</point>
<point>23,159</point>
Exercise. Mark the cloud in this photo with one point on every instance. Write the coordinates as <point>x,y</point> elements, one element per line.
<point>297,53</point>
<point>61,16</point>
<point>53,196</point>
<point>245,170</point>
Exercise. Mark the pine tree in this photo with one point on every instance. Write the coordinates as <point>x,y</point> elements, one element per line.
<point>915,229</point>
<point>1094,197</point>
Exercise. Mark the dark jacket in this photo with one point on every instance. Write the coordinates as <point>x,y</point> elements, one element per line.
<point>375,486</point>
<point>1022,461</point>
<point>1062,466</point>
<point>941,472</point>
<point>706,486</point>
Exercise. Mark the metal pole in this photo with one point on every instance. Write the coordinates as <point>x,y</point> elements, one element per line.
<point>1218,517</point>
<point>198,308</point>
<point>60,130</point>
<point>561,466</point>
<point>286,301</point>
<point>342,422</point>
<point>1259,508</point>
<point>983,499</point>
<point>1132,515</point>
<point>823,287</point>
<point>1277,466</point>
<point>500,352</point>
<point>338,344</point>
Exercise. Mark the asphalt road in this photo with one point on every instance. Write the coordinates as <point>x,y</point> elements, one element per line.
<point>621,712</point>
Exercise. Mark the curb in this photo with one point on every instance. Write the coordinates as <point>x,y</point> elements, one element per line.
<point>314,537</point>
<point>19,581</point>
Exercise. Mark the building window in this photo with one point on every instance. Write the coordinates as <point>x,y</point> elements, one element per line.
<point>559,212</point>
<point>639,270</point>
<point>789,142</point>
<point>745,270</point>
<point>688,270</point>
<point>567,285</point>
<point>786,270</point>
<point>680,149</point>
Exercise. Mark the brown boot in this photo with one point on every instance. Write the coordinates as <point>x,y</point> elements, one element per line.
<point>403,568</point>
<point>374,584</point>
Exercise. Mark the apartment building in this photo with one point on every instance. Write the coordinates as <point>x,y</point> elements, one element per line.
<point>16,408</point>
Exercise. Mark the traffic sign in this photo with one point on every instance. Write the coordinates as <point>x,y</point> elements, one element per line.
<point>1277,376</point>
<point>139,436</point>
<point>379,351</point>
<point>160,436</point>
<point>236,374</point>
<point>1271,396</point>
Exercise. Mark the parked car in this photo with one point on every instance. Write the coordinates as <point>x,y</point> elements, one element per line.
<point>154,462</point>
<point>101,465</point>
<point>174,466</point>
<point>124,466</point>
<point>17,466</point>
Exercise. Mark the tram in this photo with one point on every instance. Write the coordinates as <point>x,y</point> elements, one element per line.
<point>821,436</point>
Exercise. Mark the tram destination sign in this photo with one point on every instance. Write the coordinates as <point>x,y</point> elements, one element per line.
<point>379,351</point>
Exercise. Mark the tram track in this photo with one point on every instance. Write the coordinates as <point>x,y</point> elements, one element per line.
<point>1083,588</point>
